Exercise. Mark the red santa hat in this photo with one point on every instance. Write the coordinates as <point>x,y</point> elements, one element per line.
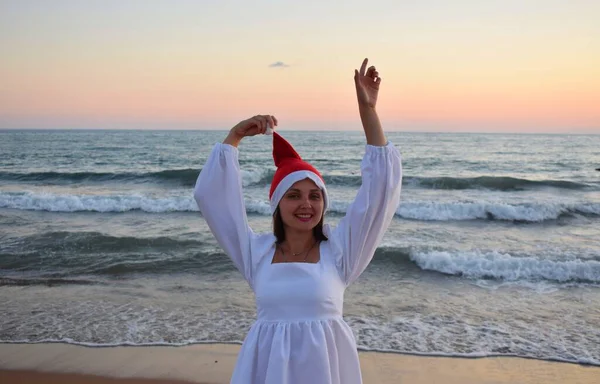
<point>291,169</point>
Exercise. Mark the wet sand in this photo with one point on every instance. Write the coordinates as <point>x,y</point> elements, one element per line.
<point>213,363</point>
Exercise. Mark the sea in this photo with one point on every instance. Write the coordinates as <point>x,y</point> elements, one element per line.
<point>493,251</point>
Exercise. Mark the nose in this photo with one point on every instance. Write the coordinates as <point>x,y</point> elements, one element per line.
<point>306,203</point>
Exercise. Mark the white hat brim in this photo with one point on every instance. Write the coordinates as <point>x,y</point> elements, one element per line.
<point>292,178</point>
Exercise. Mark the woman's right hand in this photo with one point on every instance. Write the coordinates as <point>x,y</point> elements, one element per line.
<point>254,125</point>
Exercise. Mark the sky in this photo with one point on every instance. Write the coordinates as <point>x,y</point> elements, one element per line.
<point>483,66</point>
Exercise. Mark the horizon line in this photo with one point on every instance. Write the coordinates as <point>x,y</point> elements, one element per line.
<point>300,130</point>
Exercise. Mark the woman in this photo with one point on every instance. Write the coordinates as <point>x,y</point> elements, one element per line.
<point>300,271</point>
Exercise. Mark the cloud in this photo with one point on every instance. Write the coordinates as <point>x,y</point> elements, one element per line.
<point>278,64</point>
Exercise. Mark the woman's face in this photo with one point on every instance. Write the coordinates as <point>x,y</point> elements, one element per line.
<point>301,207</point>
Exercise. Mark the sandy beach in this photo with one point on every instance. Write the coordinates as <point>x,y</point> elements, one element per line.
<point>213,363</point>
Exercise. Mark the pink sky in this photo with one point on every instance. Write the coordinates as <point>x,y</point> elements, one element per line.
<point>527,66</point>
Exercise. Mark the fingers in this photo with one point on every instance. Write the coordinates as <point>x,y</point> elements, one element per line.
<point>259,123</point>
<point>358,80</point>
<point>272,121</point>
<point>363,66</point>
<point>252,131</point>
<point>372,72</point>
<point>262,122</point>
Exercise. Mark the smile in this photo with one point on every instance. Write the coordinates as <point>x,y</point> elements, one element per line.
<point>304,217</point>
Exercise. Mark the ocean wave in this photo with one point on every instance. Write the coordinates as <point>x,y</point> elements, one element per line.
<point>412,332</point>
<point>56,257</point>
<point>503,266</point>
<point>498,183</point>
<point>95,203</point>
<point>48,282</point>
<point>185,177</point>
<point>495,183</point>
<point>423,210</point>
<point>257,177</point>
<point>525,212</point>
<point>464,211</point>
<point>181,177</point>
<point>50,258</point>
<point>264,176</point>
<point>91,242</point>
<point>50,202</point>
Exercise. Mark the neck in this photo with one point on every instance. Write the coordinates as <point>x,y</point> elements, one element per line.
<point>298,241</point>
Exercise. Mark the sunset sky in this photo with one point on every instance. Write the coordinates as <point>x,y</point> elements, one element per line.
<point>486,66</point>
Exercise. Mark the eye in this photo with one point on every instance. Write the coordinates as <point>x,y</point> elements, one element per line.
<point>292,196</point>
<point>315,196</point>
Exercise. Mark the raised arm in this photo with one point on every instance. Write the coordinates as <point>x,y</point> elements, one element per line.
<point>367,218</point>
<point>253,126</point>
<point>367,89</point>
<point>218,193</point>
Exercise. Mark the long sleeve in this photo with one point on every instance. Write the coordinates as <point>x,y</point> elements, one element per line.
<point>218,193</point>
<point>360,231</point>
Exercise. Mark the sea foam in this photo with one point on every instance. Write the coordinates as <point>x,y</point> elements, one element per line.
<point>420,210</point>
<point>503,266</point>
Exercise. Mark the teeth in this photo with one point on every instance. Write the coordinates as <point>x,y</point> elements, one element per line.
<point>304,216</point>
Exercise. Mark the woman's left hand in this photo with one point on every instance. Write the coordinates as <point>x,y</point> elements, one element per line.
<point>367,85</point>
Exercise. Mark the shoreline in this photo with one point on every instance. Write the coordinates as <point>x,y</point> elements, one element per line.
<point>359,349</point>
<point>213,363</point>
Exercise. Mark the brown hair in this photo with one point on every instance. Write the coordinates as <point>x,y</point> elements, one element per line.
<point>279,230</point>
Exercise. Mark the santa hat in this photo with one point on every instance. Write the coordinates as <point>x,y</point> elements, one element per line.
<point>291,169</point>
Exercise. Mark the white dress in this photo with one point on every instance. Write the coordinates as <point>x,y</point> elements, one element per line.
<point>299,336</point>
